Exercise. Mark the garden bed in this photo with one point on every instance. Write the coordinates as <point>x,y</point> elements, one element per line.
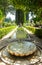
<point>4,31</point>
<point>36,31</point>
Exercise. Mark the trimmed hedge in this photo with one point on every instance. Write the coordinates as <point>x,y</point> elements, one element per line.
<point>36,31</point>
<point>32,29</point>
<point>4,31</point>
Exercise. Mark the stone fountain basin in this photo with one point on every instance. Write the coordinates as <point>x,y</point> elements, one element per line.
<point>21,48</point>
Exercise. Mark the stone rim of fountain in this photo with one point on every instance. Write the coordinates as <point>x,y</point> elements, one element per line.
<point>21,47</point>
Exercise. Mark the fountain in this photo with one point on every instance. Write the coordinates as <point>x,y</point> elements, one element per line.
<point>20,52</point>
<point>22,48</point>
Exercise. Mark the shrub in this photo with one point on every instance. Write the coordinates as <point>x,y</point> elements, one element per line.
<point>4,31</point>
<point>32,29</point>
<point>36,31</point>
<point>6,24</point>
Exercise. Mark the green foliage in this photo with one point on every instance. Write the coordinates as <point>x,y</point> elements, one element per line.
<point>6,24</point>
<point>25,5</point>
<point>1,14</point>
<point>32,5</point>
<point>31,28</point>
<point>3,5</point>
<point>1,18</point>
<point>38,24</point>
<point>19,17</point>
<point>39,13</point>
<point>36,31</point>
<point>4,31</point>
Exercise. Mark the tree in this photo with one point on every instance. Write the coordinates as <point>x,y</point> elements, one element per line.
<point>25,5</point>
<point>1,18</point>
<point>32,5</point>
<point>3,5</point>
<point>19,16</point>
<point>28,5</point>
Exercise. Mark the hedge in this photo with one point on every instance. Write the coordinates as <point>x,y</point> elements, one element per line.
<point>36,31</point>
<point>4,31</point>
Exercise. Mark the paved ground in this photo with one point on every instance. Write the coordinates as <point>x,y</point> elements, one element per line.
<point>4,42</point>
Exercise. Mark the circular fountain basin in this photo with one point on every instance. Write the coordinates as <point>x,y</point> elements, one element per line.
<point>23,48</point>
<point>11,59</point>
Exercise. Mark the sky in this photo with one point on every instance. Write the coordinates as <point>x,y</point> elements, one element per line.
<point>30,17</point>
<point>10,15</point>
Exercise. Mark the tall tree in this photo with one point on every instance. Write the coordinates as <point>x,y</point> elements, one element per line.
<point>3,5</point>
